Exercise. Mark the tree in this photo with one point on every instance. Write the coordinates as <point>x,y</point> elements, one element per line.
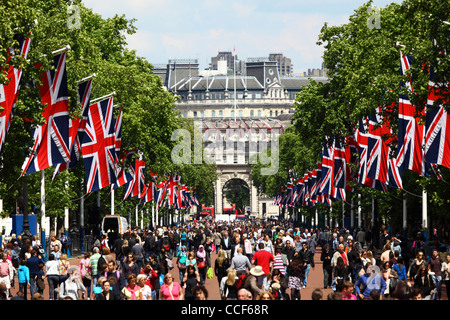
<point>98,46</point>
<point>363,65</point>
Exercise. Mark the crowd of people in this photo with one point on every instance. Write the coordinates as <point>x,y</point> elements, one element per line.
<point>252,261</point>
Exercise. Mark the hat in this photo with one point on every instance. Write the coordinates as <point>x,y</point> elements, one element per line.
<point>276,286</point>
<point>257,271</point>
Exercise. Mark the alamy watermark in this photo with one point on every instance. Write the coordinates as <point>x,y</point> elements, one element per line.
<point>233,145</point>
<point>74,18</point>
<point>374,20</point>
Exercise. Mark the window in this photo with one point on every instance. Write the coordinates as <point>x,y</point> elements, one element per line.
<point>240,114</point>
<point>202,114</point>
<point>195,114</point>
<point>271,113</point>
<point>252,113</point>
<point>185,114</point>
<point>220,113</point>
<point>213,113</point>
<point>259,113</point>
<point>232,113</point>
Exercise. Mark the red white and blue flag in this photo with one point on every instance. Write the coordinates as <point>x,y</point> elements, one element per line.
<point>411,131</point>
<point>136,186</point>
<point>437,124</point>
<point>98,146</point>
<point>77,128</point>
<point>9,91</point>
<point>362,140</point>
<point>380,166</point>
<point>51,140</point>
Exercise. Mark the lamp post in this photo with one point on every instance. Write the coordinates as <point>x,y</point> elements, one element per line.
<point>26,233</point>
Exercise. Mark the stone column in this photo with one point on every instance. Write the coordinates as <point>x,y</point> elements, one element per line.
<point>254,200</point>
<point>218,209</point>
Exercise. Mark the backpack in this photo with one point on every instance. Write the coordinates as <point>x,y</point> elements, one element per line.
<point>100,263</point>
<point>150,243</point>
<point>166,244</point>
<point>240,281</point>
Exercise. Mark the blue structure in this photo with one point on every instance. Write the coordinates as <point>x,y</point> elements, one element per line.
<point>17,223</point>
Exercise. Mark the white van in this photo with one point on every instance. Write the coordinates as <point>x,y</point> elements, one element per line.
<point>114,222</point>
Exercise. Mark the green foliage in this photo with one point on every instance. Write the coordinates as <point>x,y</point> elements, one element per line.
<point>364,73</point>
<point>98,45</point>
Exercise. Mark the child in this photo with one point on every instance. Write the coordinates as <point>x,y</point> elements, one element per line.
<point>24,277</point>
<point>40,279</point>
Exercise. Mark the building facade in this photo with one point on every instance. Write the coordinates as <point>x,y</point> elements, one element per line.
<point>241,117</point>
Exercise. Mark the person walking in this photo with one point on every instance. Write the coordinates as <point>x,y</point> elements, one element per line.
<point>308,259</point>
<point>435,267</point>
<point>33,266</point>
<point>70,288</point>
<point>369,282</point>
<point>326,256</point>
<point>23,274</point>
<point>85,273</point>
<point>296,277</point>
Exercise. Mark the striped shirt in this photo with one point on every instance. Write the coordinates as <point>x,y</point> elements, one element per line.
<point>278,264</point>
<point>93,260</point>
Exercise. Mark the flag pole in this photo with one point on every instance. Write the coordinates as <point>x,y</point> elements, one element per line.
<point>87,78</point>
<point>66,48</point>
<point>43,241</point>
<point>104,97</point>
<point>234,75</point>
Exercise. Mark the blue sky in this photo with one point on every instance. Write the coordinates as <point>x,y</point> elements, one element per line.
<point>199,29</point>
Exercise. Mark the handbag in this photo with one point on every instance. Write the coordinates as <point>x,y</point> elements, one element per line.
<point>201,263</point>
<point>210,273</point>
<point>40,283</point>
<point>169,263</point>
<point>87,273</point>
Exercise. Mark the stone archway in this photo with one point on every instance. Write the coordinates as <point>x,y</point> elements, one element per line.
<point>229,172</point>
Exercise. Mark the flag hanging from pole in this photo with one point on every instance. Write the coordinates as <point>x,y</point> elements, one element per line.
<point>411,132</point>
<point>437,139</point>
<point>136,186</point>
<point>77,127</point>
<point>98,146</point>
<point>10,91</point>
<point>51,140</point>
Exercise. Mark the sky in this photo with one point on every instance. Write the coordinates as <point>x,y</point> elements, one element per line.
<point>199,29</point>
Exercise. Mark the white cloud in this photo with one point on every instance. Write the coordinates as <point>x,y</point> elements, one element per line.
<point>200,28</point>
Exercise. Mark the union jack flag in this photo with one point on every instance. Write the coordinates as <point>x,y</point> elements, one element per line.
<point>411,132</point>
<point>136,186</point>
<point>10,91</point>
<point>51,140</point>
<point>340,165</point>
<point>328,175</point>
<point>149,192</point>
<point>77,127</point>
<point>172,188</point>
<point>98,146</point>
<point>437,139</point>
<point>161,192</point>
<point>380,166</point>
<point>362,141</point>
<point>124,173</point>
<point>326,179</point>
